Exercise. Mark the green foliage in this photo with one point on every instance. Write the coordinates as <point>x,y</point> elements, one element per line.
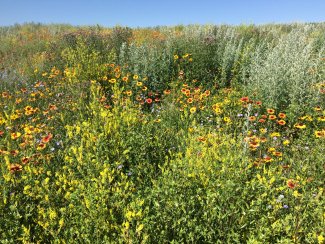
<point>202,134</point>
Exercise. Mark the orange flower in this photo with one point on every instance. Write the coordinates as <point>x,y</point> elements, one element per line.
<point>282,115</point>
<point>47,138</point>
<point>263,139</point>
<point>149,100</point>
<point>207,93</point>
<point>166,92</point>
<point>261,120</point>
<point>244,99</point>
<point>15,168</point>
<point>291,184</point>
<point>258,103</point>
<point>14,152</point>
<point>253,145</point>
<point>272,117</point>
<point>201,138</point>
<point>281,122</point>
<point>278,154</point>
<point>5,94</point>
<point>268,159</point>
<point>190,100</point>
<point>24,160</point>
<point>252,118</point>
<point>52,107</point>
<point>102,99</point>
<point>125,78</point>
<point>270,111</point>
<point>1,132</point>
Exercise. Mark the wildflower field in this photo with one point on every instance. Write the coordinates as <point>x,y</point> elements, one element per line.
<point>185,134</point>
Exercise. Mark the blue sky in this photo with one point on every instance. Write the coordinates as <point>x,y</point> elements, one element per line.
<point>143,13</point>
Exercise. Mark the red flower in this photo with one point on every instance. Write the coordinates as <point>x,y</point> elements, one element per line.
<point>14,152</point>
<point>268,159</point>
<point>244,99</point>
<point>47,138</point>
<point>291,184</point>
<point>149,100</point>
<point>25,160</point>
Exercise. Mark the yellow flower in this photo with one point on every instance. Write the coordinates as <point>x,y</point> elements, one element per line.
<point>319,133</point>
<point>227,120</point>
<point>300,126</point>
<point>322,118</point>
<point>52,214</point>
<point>296,194</point>
<point>135,77</point>
<point>306,117</point>
<point>2,121</point>
<point>112,80</point>
<point>286,142</point>
<point>139,83</point>
<point>263,130</point>
<point>185,56</point>
<point>193,110</point>
<point>275,134</point>
<point>41,146</point>
<point>61,223</point>
<point>175,57</point>
<point>15,135</point>
<point>320,239</point>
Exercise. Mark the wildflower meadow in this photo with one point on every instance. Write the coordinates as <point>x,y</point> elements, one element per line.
<point>184,134</point>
